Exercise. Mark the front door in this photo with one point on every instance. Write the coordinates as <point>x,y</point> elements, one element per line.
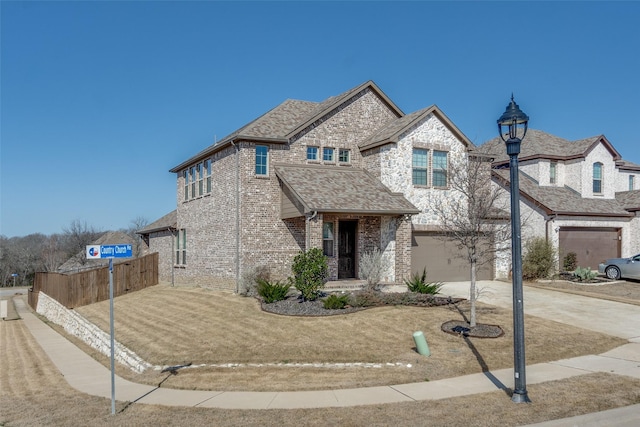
<point>347,249</point>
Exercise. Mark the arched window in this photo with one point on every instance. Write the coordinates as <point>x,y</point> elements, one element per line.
<point>597,178</point>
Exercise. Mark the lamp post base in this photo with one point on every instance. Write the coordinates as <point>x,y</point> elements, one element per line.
<point>520,397</point>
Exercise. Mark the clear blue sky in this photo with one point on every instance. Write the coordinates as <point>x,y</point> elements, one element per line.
<point>100,99</point>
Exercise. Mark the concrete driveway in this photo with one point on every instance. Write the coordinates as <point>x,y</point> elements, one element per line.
<point>609,317</point>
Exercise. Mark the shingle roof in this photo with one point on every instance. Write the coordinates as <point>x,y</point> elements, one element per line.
<point>286,120</point>
<point>392,131</point>
<point>539,144</point>
<point>630,200</point>
<point>167,222</point>
<point>563,200</point>
<point>341,189</point>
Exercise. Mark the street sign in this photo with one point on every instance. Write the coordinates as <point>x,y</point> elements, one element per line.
<point>109,251</point>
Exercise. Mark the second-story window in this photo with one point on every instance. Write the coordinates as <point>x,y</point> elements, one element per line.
<point>439,168</point>
<point>553,166</point>
<point>185,177</point>
<point>419,165</point>
<point>327,155</point>
<point>192,180</point>
<point>632,181</point>
<point>200,174</point>
<point>312,153</point>
<point>262,159</point>
<point>344,155</point>
<point>597,178</point>
<point>207,174</point>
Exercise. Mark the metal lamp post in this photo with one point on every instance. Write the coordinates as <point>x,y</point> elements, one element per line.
<point>516,123</point>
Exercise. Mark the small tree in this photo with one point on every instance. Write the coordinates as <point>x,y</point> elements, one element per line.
<point>310,273</point>
<point>472,216</point>
<point>570,261</point>
<point>371,266</point>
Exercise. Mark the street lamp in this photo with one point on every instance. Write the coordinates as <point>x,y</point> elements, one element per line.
<point>516,123</point>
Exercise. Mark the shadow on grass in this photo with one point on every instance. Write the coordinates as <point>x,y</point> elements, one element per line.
<point>480,359</point>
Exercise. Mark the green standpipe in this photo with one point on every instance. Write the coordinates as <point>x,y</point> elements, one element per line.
<point>421,344</point>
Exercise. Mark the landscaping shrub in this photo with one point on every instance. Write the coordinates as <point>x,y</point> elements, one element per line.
<point>371,267</point>
<point>418,283</point>
<point>310,273</point>
<point>539,260</point>
<point>272,291</point>
<point>249,279</point>
<point>584,274</point>
<point>570,261</point>
<point>335,302</point>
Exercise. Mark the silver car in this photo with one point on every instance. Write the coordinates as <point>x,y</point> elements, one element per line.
<point>617,268</point>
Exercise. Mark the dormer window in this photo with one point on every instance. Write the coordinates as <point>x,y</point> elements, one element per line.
<point>632,179</point>
<point>597,178</point>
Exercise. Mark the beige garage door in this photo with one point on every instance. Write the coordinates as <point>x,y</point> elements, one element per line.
<point>591,245</point>
<point>439,257</point>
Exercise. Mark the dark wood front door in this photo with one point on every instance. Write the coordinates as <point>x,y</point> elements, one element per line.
<point>347,249</point>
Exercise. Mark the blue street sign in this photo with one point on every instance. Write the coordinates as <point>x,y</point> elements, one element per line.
<point>115,251</point>
<point>109,251</point>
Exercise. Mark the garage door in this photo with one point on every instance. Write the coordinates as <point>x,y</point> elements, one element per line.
<point>591,245</point>
<point>439,257</point>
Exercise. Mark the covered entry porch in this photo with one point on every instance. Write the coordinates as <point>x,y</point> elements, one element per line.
<point>348,212</point>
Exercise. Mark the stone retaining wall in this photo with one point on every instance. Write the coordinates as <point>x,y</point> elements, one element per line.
<point>76,325</point>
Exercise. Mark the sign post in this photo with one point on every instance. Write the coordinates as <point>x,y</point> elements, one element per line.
<point>110,252</point>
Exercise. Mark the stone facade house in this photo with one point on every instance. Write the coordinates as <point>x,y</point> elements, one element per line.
<point>579,195</point>
<point>349,175</point>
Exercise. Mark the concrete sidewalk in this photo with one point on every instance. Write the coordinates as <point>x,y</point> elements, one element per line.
<point>88,376</point>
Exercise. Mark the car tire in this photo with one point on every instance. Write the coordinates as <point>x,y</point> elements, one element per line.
<point>612,272</point>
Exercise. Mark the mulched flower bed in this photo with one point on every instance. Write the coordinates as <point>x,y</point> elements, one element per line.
<point>462,328</point>
<point>294,306</point>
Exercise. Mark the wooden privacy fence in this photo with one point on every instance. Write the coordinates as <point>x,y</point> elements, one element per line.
<point>88,287</point>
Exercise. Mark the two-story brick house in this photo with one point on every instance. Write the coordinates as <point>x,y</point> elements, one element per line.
<point>579,195</point>
<point>350,174</point>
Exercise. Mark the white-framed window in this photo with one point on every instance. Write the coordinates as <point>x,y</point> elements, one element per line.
<point>207,175</point>
<point>420,166</point>
<point>597,178</point>
<point>553,170</point>
<point>192,180</point>
<point>200,176</point>
<point>328,155</point>
<point>439,167</point>
<point>312,154</point>
<point>632,182</point>
<point>181,247</point>
<point>344,155</point>
<point>262,160</point>
<point>327,238</point>
<point>185,177</point>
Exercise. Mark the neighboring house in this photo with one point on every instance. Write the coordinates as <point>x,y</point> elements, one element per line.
<point>349,175</point>
<point>159,236</point>
<point>79,262</point>
<point>579,195</point>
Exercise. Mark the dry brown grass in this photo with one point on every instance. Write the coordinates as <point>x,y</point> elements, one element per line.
<point>171,326</point>
<point>34,393</point>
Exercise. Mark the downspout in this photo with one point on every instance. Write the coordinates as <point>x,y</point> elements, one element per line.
<point>237,216</point>
<point>308,228</point>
